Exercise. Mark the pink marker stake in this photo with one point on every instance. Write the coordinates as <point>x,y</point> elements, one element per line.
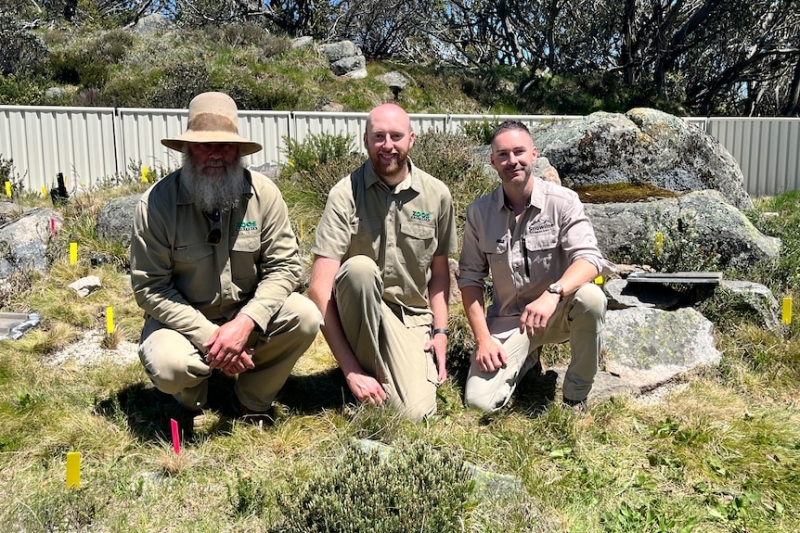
<point>176,440</point>
<point>52,226</point>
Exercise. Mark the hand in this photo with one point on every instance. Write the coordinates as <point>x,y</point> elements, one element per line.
<point>537,313</point>
<point>366,388</point>
<point>226,346</point>
<point>438,345</point>
<point>490,356</point>
<point>239,364</point>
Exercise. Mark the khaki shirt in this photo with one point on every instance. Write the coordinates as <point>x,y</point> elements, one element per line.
<point>525,256</point>
<point>401,230</point>
<point>190,285</point>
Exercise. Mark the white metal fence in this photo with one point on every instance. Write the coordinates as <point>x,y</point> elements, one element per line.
<point>90,144</point>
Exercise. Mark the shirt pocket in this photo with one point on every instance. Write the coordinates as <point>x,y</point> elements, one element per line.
<point>540,251</point>
<point>496,252</point>
<point>365,237</point>
<point>192,267</point>
<point>245,259</point>
<point>420,241</point>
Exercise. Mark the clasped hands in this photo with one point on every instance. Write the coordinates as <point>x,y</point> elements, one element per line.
<point>226,346</point>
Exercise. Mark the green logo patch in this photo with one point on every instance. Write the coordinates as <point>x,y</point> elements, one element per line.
<point>421,216</point>
<point>247,226</point>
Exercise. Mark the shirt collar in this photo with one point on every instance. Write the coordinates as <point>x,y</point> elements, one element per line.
<point>536,200</point>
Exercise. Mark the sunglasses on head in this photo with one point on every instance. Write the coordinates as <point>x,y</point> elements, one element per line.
<point>215,235</point>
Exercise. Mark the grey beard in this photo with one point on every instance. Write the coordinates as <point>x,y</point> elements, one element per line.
<point>212,193</point>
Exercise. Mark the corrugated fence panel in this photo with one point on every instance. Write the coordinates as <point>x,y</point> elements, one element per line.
<point>352,124</point>
<point>267,128</point>
<point>766,150</point>
<point>421,123</point>
<point>43,141</point>
<point>141,131</point>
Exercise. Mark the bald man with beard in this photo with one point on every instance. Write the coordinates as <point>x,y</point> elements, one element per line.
<point>380,275</point>
<point>215,266</point>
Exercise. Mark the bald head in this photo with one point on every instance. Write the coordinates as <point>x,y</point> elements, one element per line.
<point>389,113</point>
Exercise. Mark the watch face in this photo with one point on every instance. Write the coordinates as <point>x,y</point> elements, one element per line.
<point>555,288</point>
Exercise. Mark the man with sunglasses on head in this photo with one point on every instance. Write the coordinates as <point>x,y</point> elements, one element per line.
<point>214,265</point>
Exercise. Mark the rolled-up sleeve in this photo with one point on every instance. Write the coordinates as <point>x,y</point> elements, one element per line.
<point>473,267</point>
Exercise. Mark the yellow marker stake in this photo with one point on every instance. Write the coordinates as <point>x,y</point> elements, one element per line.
<point>8,188</point>
<point>599,280</point>
<point>73,253</point>
<point>144,174</point>
<point>74,470</point>
<point>44,191</point>
<point>787,310</point>
<point>110,320</point>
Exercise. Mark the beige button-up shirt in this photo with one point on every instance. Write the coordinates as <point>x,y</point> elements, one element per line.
<point>401,229</point>
<point>189,284</point>
<point>524,256</point>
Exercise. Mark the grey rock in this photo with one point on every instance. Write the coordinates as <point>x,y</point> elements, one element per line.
<point>115,220</point>
<point>270,170</point>
<point>394,80</point>
<point>152,24</point>
<point>754,300</point>
<point>624,295</point>
<point>643,145</point>
<point>85,286</point>
<point>54,93</point>
<point>302,42</point>
<point>650,347</point>
<point>10,211</point>
<point>701,220</point>
<point>455,292</point>
<point>24,240</point>
<point>340,50</point>
<point>349,66</point>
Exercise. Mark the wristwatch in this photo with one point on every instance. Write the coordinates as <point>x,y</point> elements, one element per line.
<point>555,288</point>
<point>443,331</point>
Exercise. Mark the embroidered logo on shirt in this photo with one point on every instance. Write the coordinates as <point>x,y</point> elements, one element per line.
<point>247,226</point>
<point>540,226</point>
<point>421,216</point>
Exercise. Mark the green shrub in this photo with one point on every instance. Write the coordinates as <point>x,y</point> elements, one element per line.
<point>20,90</point>
<point>479,132</point>
<point>451,158</point>
<point>22,51</point>
<point>181,82</point>
<point>318,162</point>
<point>247,497</point>
<point>412,488</point>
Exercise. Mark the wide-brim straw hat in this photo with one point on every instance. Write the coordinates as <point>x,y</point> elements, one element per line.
<point>213,119</point>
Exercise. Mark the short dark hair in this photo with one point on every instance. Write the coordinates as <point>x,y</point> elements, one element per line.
<point>509,125</point>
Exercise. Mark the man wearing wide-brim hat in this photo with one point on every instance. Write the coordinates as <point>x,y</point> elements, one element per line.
<point>214,265</point>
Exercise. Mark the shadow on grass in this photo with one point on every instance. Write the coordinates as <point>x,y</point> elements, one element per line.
<point>535,392</point>
<point>147,411</point>
<point>309,394</point>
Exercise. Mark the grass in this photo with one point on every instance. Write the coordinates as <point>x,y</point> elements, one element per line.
<point>720,454</point>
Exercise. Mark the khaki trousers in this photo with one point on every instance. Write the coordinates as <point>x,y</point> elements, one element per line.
<point>579,318</point>
<point>384,345</point>
<point>176,366</point>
